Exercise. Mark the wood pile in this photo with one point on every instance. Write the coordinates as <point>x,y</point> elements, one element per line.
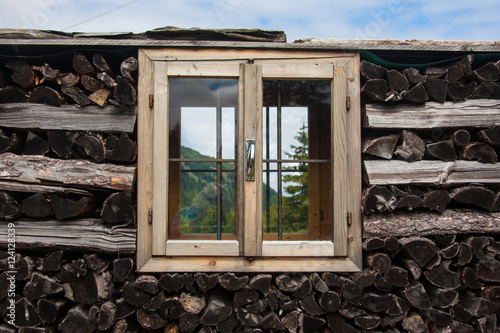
<point>411,283</point>
<point>456,81</point>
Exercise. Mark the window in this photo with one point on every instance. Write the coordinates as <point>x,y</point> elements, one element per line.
<point>249,160</point>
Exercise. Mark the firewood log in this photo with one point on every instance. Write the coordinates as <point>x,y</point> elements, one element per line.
<point>78,96</point>
<point>122,268</point>
<point>351,291</point>
<point>91,84</point>
<point>188,322</point>
<point>491,136</point>
<point>438,317</point>
<point>380,146</point>
<point>9,143</point>
<point>480,151</point>
<point>488,90</point>
<point>129,68</point>
<point>41,286</point>
<point>338,324</point>
<point>22,73</point>
<point>460,138</point>
<point>107,316</point>
<point>62,142</point>
<point>436,200</point>
<point>91,145</point>
<point>476,195</point>
<point>291,321</point>
<point>241,297</point>
<point>329,301</point>
<point>68,79</point>
<point>469,278</point>
<point>375,302</point>
<point>443,150</point>
<point>231,282</point>
<point>436,72</point>
<point>486,324</point>
<point>77,317</point>
<point>371,71</point>
<point>310,305</point>
<point>100,97</point>
<point>409,202</point>
<point>100,63</point>
<point>25,314</point>
<point>459,92</point>
<point>11,94</point>
<point>375,90</point>
<point>206,282</point>
<point>367,322</point>
<point>414,77</point>
<point>45,95</point>
<point>488,269</point>
<point>378,198</point>
<point>155,302</point>
<point>487,73</point>
<point>397,276</point>
<point>107,79</point>
<point>437,89</point>
<point>9,208</point>
<point>81,64</point>
<point>260,282</point>
<point>420,249</point>
<point>120,148</point>
<point>397,81</point>
<point>25,268</point>
<point>445,240</point>
<point>172,282</point>
<point>65,207</point>
<point>442,298</point>
<point>117,208</point>
<point>417,296</point>
<point>88,289</point>
<point>379,262</point>
<point>124,309</point>
<point>450,251</point>
<point>35,145</point>
<point>36,206</point>
<point>412,148</point>
<point>147,283</point>
<point>51,310</point>
<point>461,69</point>
<point>49,74</point>
<point>125,93</point>
<point>218,308</point>
<point>464,255</point>
<point>442,277</point>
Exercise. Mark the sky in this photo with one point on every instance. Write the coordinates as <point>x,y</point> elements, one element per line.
<point>299,19</point>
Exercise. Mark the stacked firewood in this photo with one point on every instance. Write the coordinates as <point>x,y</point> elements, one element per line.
<point>89,83</point>
<point>482,145</point>
<point>411,283</point>
<point>60,157</point>
<point>389,198</point>
<point>456,82</point>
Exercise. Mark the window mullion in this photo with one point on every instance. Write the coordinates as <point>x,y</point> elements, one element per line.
<point>252,225</point>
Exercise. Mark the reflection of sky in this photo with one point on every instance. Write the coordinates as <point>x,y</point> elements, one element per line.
<point>199,130</point>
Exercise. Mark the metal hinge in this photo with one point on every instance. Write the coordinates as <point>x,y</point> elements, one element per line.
<point>150,216</point>
<point>349,218</point>
<point>348,102</point>
<point>151,101</point>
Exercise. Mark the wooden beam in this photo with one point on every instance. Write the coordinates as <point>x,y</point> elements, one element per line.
<point>32,116</point>
<point>421,223</point>
<point>11,186</point>
<point>45,170</point>
<point>84,235</point>
<point>430,172</point>
<point>470,113</point>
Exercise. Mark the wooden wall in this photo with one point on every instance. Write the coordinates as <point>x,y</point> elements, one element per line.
<point>430,203</point>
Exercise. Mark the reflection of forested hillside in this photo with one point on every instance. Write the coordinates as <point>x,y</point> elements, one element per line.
<point>199,195</point>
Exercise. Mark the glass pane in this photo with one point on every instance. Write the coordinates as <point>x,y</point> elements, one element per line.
<point>202,121</point>
<point>297,126</point>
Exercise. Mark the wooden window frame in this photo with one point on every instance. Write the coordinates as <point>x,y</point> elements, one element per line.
<point>249,253</point>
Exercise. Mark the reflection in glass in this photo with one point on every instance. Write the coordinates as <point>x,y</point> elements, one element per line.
<point>202,141</point>
<point>297,149</point>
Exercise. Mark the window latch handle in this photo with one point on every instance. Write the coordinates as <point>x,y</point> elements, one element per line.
<point>250,160</point>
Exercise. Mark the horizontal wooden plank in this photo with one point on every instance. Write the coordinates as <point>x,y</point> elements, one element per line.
<point>203,69</point>
<point>297,248</point>
<point>260,265</point>
<point>396,172</point>
<point>470,113</point>
<point>202,247</point>
<point>81,173</point>
<point>11,186</point>
<point>78,235</point>
<point>422,223</point>
<point>42,117</point>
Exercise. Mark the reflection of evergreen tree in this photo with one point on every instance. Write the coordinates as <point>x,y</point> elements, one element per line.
<point>295,199</point>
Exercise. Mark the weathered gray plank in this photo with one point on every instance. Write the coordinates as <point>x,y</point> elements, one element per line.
<point>81,173</point>
<point>44,117</point>
<point>395,172</point>
<point>80,235</point>
<point>470,113</point>
<point>6,185</point>
<point>451,221</point>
